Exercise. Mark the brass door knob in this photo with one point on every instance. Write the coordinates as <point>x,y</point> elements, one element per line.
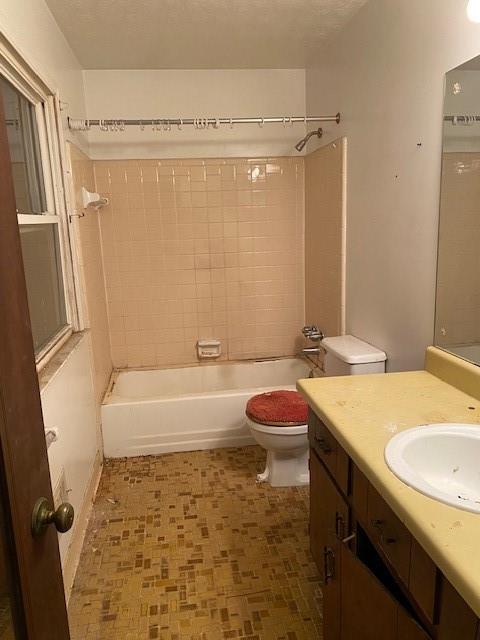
<point>43,515</point>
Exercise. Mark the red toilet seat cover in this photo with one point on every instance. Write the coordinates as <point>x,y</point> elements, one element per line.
<point>278,408</point>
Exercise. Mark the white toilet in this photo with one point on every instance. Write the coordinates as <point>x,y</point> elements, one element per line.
<point>287,442</point>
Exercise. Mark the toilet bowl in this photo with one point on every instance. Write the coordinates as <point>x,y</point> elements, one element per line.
<point>278,419</point>
<point>278,423</point>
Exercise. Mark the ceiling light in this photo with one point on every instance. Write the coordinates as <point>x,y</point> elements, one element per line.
<point>473,10</point>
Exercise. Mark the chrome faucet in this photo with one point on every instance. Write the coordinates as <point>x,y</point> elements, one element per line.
<point>312,351</point>
<point>313,333</point>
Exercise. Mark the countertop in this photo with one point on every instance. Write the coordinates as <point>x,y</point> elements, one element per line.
<point>364,412</point>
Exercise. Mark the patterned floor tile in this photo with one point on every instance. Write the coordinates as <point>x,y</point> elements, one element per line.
<point>186,546</point>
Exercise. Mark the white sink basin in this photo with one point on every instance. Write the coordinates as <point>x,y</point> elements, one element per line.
<point>440,460</point>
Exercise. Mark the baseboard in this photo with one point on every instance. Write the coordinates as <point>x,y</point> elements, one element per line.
<point>81,522</point>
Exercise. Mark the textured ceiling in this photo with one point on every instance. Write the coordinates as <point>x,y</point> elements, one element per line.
<point>199,34</point>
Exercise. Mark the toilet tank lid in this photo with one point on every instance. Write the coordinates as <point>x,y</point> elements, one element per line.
<point>351,350</point>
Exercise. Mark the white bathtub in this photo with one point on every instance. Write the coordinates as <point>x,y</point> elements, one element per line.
<point>190,408</point>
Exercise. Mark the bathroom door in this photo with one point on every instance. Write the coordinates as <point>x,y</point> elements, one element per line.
<point>32,602</point>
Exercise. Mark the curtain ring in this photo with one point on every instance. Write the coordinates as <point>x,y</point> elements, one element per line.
<point>260,124</point>
<point>284,121</point>
<point>231,123</point>
<point>180,124</point>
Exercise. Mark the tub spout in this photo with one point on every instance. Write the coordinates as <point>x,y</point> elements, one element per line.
<point>312,351</point>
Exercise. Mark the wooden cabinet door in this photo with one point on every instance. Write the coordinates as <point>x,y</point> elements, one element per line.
<point>389,534</point>
<point>329,451</point>
<point>408,629</point>
<point>328,525</point>
<point>367,610</point>
<point>319,512</point>
<point>456,620</point>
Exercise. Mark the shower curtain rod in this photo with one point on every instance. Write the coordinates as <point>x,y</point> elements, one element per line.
<point>165,124</point>
<point>465,119</point>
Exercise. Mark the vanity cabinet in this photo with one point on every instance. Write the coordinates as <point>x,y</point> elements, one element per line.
<point>328,527</point>
<point>378,582</point>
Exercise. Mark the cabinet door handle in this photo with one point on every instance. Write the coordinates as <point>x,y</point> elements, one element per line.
<point>379,525</point>
<point>328,565</point>
<point>349,538</point>
<point>339,526</point>
<point>323,444</point>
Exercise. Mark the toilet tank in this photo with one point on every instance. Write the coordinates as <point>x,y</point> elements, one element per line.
<point>347,356</point>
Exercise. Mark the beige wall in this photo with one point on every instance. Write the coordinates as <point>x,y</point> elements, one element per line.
<point>458,287</point>
<point>385,73</point>
<point>87,231</point>
<point>202,249</point>
<point>184,93</point>
<point>32,30</point>
<point>324,238</point>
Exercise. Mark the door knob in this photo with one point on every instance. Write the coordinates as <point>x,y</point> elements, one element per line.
<point>43,515</point>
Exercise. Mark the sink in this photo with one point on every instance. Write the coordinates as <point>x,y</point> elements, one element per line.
<point>441,461</point>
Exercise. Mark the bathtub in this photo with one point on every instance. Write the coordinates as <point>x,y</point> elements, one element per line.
<point>148,412</point>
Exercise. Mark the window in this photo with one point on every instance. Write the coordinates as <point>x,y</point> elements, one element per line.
<point>31,156</point>
<point>25,156</point>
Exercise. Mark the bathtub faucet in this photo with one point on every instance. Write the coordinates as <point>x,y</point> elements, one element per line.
<point>313,333</point>
<point>312,351</point>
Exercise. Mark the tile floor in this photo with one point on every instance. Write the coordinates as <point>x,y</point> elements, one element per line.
<point>186,546</point>
<point>6,623</point>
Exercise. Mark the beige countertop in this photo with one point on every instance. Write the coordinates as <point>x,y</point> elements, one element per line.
<point>364,412</point>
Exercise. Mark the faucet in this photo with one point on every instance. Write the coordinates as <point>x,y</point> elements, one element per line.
<point>313,333</point>
<point>312,351</point>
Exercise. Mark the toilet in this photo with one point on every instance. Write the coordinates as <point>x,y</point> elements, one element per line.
<point>278,419</point>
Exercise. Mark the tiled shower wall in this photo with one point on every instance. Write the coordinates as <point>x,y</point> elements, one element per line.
<point>198,249</point>
<point>325,238</point>
<point>87,231</point>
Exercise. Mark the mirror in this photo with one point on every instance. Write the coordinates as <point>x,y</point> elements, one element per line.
<point>457,316</point>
